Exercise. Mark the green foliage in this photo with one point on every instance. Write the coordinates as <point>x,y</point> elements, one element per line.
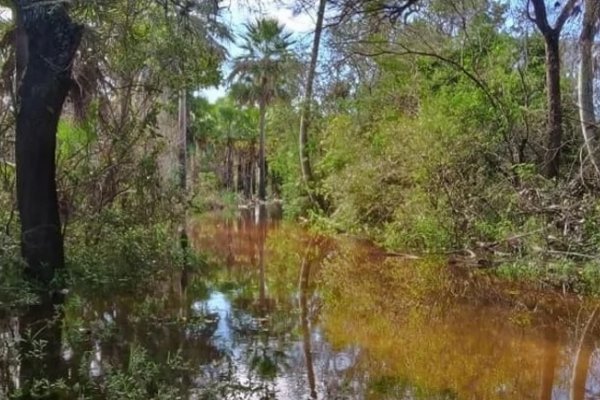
<point>426,155</point>
<point>209,196</point>
<point>15,291</point>
<point>145,378</point>
<point>73,138</point>
<point>283,158</point>
<point>116,252</point>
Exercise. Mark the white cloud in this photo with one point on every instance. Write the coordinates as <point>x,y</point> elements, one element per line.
<point>301,23</point>
<point>242,11</point>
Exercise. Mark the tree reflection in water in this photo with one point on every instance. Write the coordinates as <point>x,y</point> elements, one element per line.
<point>280,313</point>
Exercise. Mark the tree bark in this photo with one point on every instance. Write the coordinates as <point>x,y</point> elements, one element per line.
<point>52,40</point>
<point>587,115</point>
<point>262,175</point>
<point>307,174</point>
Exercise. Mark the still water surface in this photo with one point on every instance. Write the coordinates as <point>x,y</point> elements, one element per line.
<point>281,313</point>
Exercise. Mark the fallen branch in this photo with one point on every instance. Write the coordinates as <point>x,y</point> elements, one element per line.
<point>571,254</point>
<point>398,255</point>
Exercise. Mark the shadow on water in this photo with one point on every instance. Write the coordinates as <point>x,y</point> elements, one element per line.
<point>276,312</point>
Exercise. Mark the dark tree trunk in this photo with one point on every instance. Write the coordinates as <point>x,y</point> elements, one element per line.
<point>52,40</point>
<point>554,139</point>
<point>552,38</point>
<point>240,173</point>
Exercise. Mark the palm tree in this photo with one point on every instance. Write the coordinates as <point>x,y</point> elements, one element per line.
<point>233,124</point>
<point>257,75</point>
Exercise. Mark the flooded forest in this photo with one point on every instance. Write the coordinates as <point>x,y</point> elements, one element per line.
<point>299,199</point>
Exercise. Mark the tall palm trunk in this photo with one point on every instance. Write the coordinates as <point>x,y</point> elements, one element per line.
<point>262,173</point>
<point>52,40</point>
<point>587,116</point>
<point>307,174</point>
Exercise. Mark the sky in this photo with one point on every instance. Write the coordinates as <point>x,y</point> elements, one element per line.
<point>237,12</point>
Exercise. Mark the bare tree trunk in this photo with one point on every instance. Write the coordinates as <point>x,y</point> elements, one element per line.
<point>305,118</point>
<point>552,41</point>
<point>262,173</point>
<point>587,115</point>
<point>52,40</point>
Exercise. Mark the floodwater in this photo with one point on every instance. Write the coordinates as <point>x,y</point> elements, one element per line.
<point>276,312</point>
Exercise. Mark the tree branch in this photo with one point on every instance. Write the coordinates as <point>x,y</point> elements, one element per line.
<point>564,15</point>
<point>541,16</point>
